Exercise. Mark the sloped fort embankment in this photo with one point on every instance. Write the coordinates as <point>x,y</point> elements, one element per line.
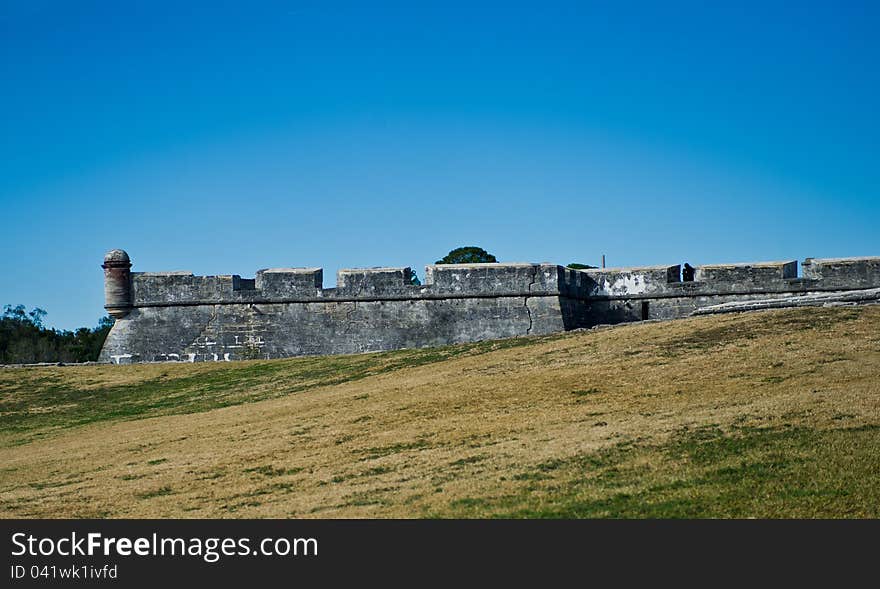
<point>285,312</point>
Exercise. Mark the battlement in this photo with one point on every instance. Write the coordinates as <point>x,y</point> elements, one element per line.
<point>646,280</point>
<point>748,273</point>
<point>708,279</point>
<point>844,272</point>
<point>493,279</point>
<point>374,282</point>
<point>306,284</point>
<point>282,282</point>
<point>178,287</point>
<point>512,279</point>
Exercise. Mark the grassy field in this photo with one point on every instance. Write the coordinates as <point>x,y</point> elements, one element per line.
<point>771,414</point>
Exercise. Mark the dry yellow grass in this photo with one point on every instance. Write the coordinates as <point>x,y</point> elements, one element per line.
<point>763,414</point>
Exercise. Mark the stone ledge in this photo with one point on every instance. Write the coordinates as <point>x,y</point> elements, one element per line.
<point>866,296</point>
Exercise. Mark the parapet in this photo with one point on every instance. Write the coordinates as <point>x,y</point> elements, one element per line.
<point>709,279</point>
<point>179,287</point>
<point>276,285</point>
<point>646,280</point>
<point>748,277</point>
<point>373,282</point>
<point>306,284</point>
<point>285,282</point>
<point>844,272</point>
<point>748,272</point>
<point>492,279</point>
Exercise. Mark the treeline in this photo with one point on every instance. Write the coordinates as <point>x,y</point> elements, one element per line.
<point>24,339</point>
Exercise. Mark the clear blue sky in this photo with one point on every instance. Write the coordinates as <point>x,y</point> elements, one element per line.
<point>224,137</point>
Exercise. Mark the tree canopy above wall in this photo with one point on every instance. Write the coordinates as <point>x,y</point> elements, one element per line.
<point>578,266</point>
<point>468,255</point>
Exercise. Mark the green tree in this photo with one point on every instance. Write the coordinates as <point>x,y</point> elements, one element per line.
<point>16,313</point>
<point>576,266</point>
<point>468,255</point>
<point>24,339</point>
<point>36,316</point>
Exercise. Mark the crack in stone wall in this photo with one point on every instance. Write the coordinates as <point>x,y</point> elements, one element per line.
<point>526,299</point>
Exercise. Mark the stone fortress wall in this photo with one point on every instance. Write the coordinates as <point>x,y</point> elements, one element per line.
<point>282,312</point>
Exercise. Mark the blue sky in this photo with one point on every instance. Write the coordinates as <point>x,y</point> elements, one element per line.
<point>224,137</point>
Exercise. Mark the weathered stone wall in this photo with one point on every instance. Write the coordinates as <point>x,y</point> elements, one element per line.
<point>287,312</point>
<point>277,330</point>
<point>844,273</point>
<point>618,295</point>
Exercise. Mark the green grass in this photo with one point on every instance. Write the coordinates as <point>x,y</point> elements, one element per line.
<point>156,493</point>
<point>704,339</point>
<point>232,384</point>
<point>379,452</point>
<point>703,473</point>
<point>586,392</point>
<point>271,471</point>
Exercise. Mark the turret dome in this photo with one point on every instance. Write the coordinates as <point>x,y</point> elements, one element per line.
<point>116,256</point>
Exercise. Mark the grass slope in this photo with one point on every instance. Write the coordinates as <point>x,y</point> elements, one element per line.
<point>772,414</point>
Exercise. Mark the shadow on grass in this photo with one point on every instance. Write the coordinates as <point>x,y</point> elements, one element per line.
<point>34,404</point>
